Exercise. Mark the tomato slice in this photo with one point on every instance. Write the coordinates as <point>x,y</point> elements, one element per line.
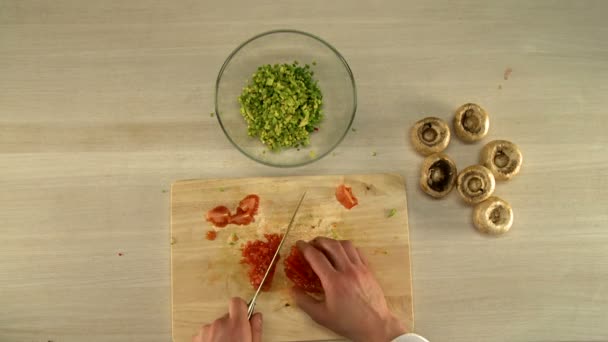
<point>258,255</point>
<point>248,207</point>
<point>219,216</point>
<point>241,218</point>
<point>298,270</point>
<point>344,195</point>
<point>250,204</point>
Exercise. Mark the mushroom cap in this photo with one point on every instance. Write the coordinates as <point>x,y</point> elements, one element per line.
<point>502,157</point>
<point>471,122</point>
<point>438,175</point>
<point>475,184</point>
<point>493,216</point>
<point>430,135</point>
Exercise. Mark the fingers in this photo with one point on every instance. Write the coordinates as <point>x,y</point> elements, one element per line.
<point>256,327</point>
<point>317,260</point>
<point>363,257</point>
<point>351,251</point>
<point>313,308</point>
<point>237,309</point>
<point>205,331</point>
<point>333,250</point>
<point>201,333</point>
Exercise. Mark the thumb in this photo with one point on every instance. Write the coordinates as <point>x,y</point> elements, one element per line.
<point>256,327</point>
<point>308,304</point>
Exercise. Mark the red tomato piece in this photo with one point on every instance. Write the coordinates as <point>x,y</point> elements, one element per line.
<point>258,255</point>
<point>344,195</point>
<point>249,204</point>
<point>211,235</point>
<point>219,216</point>
<point>298,270</point>
<point>241,218</point>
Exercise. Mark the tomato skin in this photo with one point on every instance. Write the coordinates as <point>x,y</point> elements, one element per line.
<point>344,195</point>
<point>211,235</point>
<point>258,255</point>
<point>249,204</point>
<point>241,219</point>
<point>299,271</point>
<point>219,216</point>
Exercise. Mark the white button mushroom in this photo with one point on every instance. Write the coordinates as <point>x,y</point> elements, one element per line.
<point>475,184</point>
<point>493,216</point>
<point>471,122</point>
<point>430,135</point>
<point>502,157</point>
<point>438,175</point>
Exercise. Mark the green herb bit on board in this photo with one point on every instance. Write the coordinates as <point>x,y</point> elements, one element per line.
<point>233,238</point>
<point>282,105</point>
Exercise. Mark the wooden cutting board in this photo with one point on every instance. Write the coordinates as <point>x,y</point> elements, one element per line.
<point>205,274</point>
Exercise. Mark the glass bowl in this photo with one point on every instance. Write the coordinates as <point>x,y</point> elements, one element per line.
<point>334,77</point>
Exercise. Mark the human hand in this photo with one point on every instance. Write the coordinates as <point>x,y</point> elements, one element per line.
<point>233,326</point>
<point>354,304</point>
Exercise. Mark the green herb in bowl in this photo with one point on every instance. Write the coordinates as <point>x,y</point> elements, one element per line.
<point>258,130</point>
<point>282,105</point>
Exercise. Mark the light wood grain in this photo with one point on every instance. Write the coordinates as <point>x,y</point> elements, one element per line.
<point>206,274</point>
<point>104,104</point>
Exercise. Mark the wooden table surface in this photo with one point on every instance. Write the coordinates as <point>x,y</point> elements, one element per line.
<point>104,104</point>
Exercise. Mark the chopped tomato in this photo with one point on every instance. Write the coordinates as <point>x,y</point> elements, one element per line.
<point>248,207</point>
<point>250,204</point>
<point>211,235</point>
<point>241,218</point>
<point>258,255</point>
<point>298,270</point>
<point>219,216</point>
<point>344,195</point>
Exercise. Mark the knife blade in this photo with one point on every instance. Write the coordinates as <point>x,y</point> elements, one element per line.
<point>251,304</point>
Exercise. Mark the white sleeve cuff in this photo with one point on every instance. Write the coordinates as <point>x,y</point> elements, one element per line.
<point>410,338</point>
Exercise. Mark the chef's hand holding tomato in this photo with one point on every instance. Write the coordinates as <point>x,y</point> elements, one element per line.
<point>354,304</point>
<point>233,326</point>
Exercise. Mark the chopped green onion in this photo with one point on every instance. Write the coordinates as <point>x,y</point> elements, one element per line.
<point>282,105</point>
